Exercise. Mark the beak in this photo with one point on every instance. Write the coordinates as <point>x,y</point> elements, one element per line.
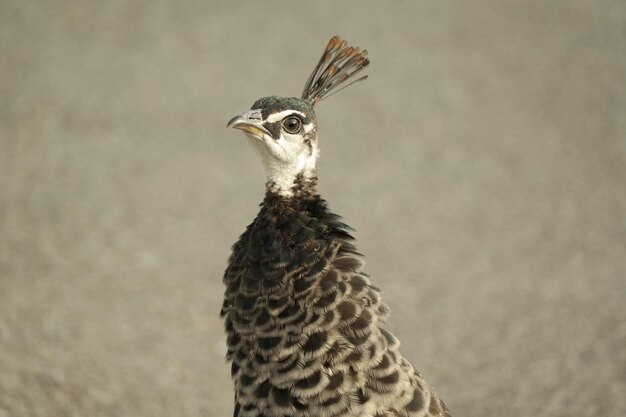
<point>250,122</point>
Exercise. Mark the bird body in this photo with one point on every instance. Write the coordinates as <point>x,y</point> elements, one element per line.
<point>304,323</point>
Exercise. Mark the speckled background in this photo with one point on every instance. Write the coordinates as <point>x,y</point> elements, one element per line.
<point>483,165</point>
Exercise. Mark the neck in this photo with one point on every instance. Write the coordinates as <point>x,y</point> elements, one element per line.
<point>300,186</point>
<point>291,177</point>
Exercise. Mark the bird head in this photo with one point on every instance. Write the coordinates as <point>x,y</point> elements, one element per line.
<point>284,129</point>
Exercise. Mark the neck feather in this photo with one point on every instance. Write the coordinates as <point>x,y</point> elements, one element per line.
<point>302,185</point>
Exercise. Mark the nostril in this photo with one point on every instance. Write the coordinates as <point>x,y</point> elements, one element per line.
<point>254,115</point>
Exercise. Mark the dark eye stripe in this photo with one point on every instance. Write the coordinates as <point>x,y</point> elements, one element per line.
<point>276,127</point>
<point>273,128</point>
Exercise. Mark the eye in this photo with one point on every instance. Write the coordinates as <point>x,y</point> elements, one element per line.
<point>292,124</point>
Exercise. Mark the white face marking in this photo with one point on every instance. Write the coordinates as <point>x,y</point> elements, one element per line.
<point>281,115</point>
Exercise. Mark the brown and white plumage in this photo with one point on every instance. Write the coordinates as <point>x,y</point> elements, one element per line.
<point>305,326</point>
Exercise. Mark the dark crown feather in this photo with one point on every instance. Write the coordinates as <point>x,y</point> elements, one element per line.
<point>338,63</point>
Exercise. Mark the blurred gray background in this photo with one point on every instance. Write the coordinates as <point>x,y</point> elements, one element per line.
<point>483,165</point>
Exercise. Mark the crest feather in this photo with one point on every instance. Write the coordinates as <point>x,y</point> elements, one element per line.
<point>338,63</point>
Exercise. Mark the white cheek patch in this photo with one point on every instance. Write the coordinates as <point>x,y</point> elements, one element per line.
<point>308,128</point>
<point>281,115</point>
<point>284,161</point>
